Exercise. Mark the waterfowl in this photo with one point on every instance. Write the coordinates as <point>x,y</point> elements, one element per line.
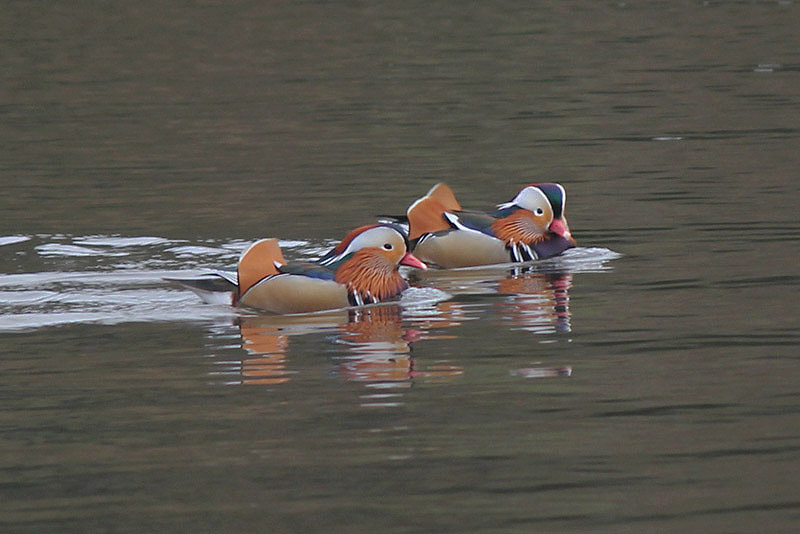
<point>362,269</point>
<point>529,227</point>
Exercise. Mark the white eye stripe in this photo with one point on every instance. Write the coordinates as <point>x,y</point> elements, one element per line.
<point>379,236</point>
<point>533,200</point>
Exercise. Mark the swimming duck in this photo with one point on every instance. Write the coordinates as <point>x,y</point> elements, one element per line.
<point>362,269</point>
<point>529,227</point>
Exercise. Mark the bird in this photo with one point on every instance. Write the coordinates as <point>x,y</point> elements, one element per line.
<point>362,269</point>
<point>530,226</point>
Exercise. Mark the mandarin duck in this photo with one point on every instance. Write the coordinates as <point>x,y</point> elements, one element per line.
<point>529,227</point>
<point>362,269</point>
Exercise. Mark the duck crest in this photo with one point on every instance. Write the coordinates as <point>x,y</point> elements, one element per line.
<point>342,246</point>
<point>519,227</point>
<point>369,278</point>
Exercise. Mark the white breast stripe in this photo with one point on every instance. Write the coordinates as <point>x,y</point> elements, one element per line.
<point>531,254</point>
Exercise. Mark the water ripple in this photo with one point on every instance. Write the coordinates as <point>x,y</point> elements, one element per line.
<point>57,249</point>
<point>11,239</point>
<point>117,241</point>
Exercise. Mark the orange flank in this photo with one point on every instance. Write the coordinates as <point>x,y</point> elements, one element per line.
<point>445,195</point>
<point>258,262</point>
<point>426,215</point>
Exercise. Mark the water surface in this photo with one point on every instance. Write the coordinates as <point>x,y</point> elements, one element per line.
<point>644,382</point>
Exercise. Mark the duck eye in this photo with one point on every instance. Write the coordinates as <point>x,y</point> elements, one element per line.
<point>538,211</point>
<point>387,246</point>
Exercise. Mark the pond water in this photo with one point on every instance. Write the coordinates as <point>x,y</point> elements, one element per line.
<point>646,381</point>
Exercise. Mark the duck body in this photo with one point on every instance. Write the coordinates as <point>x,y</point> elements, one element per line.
<point>531,226</point>
<point>362,269</point>
<point>451,249</point>
<point>287,293</point>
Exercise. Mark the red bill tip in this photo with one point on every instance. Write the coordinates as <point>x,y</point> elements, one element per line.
<point>412,261</point>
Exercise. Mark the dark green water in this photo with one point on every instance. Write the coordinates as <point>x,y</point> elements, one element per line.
<point>647,382</point>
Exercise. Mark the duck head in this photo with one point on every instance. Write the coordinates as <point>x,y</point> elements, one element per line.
<point>557,196</point>
<point>543,216</point>
<point>367,262</point>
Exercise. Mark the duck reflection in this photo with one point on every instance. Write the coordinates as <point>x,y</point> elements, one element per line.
<point>531,300</point>
<point>377,341</point>
<point>523,299</point>
<point>378,347</point>
<point>265,339</point>
<point>268,347</point>
<point>539,302</point>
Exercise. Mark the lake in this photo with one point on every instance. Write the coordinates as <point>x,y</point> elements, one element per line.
<point>646,381</point>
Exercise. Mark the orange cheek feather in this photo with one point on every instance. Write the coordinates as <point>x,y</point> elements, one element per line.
<point>368,271</point>
<point>520,227</point>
